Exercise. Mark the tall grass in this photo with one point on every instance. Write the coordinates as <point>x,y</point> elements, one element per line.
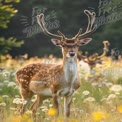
<point>99,99</point>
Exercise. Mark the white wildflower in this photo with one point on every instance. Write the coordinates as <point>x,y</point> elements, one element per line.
<point>34,99</point>
<point>89,99</point>
<point>76,109</point>
<point>94,84</point>
<point>28,112</point>
<point>86,92</point>
<point>6,81</point>
<point>81,111</point>
<point>13,109</point>
<point>47,119</point>
<point>117,93</point>
<point>46,101</point>
<point>10,84</point>
<point>5,73</point>
<point>72,109</point>
<point>17,96</point>
<point>45,110</point>
<point>73,99</point>
<point>103,99</point>
<point>51,105</point>
<point>111,97</point>
<point>43,107</point>
<point>1,84</point>
<point>5,96</point>
<point>109,84</point>
<point>116,88</point>
<point>3,104</point>
<point>19,101</point>
<point>16,87</point>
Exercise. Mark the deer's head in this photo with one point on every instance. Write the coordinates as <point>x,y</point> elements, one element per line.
<point>70,45</point>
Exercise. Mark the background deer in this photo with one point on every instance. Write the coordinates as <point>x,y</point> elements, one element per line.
<point>55,80</point>
<point>89,62</point>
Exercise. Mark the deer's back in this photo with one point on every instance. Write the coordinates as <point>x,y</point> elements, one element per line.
<point>32,71</point>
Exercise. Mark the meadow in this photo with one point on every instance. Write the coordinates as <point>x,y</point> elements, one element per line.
<point>99,99</point>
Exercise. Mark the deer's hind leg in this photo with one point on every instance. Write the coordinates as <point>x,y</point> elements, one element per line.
<point>26,96</point>
<point>36,104</point>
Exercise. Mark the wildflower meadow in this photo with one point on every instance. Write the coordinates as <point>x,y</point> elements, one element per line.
<point>99,99</point>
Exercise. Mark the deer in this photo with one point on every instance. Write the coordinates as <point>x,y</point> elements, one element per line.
<point>95,58</point>
<point>55,80</point>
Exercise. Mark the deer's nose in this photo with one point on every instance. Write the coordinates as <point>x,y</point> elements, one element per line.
<point>72,54</point>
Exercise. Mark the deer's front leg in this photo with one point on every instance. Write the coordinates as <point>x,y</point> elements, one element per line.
<point>55,102</point>
<point>67,103</point>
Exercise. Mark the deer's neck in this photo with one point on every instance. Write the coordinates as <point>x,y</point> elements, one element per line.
<point>70,69</point>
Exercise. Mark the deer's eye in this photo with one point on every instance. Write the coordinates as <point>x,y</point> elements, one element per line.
<point>63,46</point>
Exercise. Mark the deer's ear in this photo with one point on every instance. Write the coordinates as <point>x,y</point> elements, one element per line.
<point>84,41</point>
<point>56,42</point>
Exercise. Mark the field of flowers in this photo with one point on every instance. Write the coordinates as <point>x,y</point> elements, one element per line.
<point>99,99</point>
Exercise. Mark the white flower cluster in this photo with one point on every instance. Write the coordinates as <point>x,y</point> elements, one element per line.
<point>19,101</point>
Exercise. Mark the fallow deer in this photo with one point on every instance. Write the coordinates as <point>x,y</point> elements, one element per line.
<point>92,60</point>
<point>55,80</point>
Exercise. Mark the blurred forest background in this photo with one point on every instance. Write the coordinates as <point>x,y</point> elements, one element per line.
<point>19,28</point>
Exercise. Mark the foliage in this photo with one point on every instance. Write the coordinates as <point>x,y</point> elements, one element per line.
<point>70,16</point>
<point>111,28</point>
<point>7,11</point>
<point>7,44</point>
<point>7,81</point>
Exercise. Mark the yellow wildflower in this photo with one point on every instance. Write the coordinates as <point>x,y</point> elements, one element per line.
<point>74,120</point>
<point>29,120</point>
<point>99,115</point>
<point>15,118</point>
<point>52,112</point>
<point>63,120</point>
<point>119,109</point>
<point>24,117</point>
<point>55,120</point>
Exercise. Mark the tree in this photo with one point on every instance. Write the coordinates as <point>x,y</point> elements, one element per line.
<point>7,44</point>
<point>110,28</point>
<point>7,11</point>
<point>71,17</point>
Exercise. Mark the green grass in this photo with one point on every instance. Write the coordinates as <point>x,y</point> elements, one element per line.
<point>97,100</point>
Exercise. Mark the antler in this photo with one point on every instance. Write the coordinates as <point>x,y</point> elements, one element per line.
<point>41,22</point>
<point>105,49</point>
<point>90,29</point>
<point>95,56</point>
